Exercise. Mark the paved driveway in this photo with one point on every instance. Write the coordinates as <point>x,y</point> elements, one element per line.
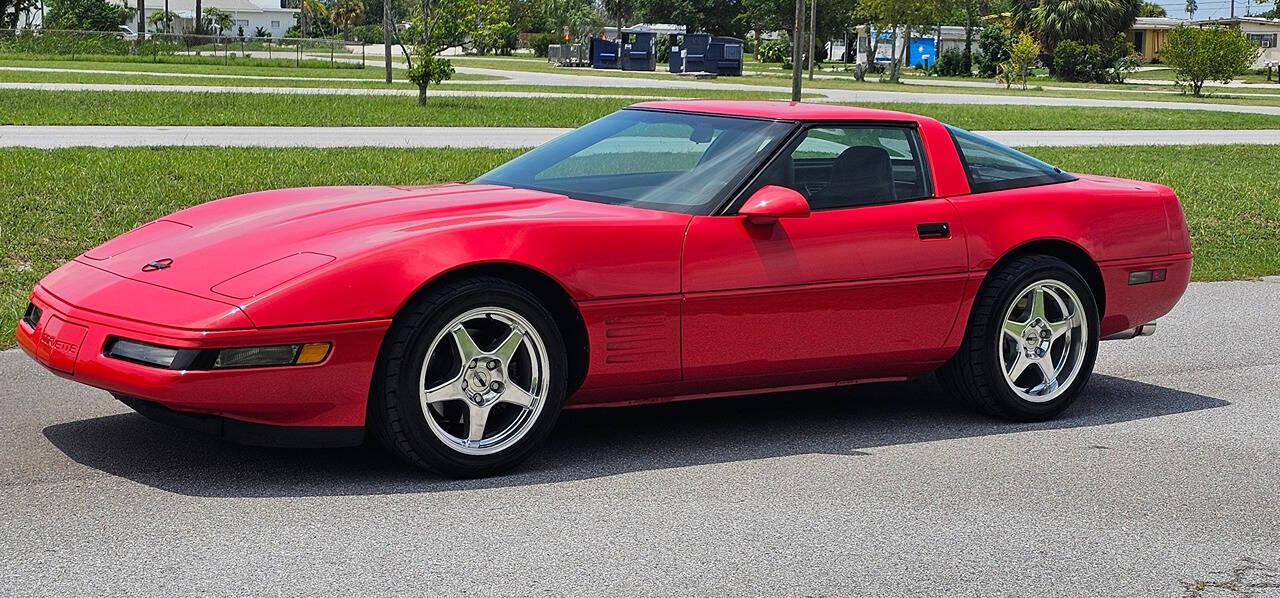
<point>1162,478</point>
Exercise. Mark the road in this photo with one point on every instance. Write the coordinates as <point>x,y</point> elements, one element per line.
<point>1162,477</point>
<point>508,137</point>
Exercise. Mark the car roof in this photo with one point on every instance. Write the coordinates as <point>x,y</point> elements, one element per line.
<point>779,109</point>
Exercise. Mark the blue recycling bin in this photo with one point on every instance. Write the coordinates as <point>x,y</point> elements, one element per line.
<point>639,51</point>
<point>694,51</point>
<point>724,56</point>
<point>675,62</point>
<point>604,54</point>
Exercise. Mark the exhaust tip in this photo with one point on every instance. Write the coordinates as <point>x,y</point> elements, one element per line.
<point>1147,329</point>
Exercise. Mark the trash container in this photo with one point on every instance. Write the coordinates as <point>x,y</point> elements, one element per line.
<point>675,62</point>
<point>724,56</point>
<point>604,53</point>
<point>695,51</point>
<point>639,51</point>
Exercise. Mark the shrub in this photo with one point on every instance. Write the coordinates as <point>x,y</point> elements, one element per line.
<point>367,34</point>
<point>1071,61</point>
<point>1022,57</point>
<point>538,42</point>
<point>774,50</point>
<point>1110,61</point>
<point>1202,54</point>
<point>994,44</point>
<point>85,15</point>
<point>950,64</point>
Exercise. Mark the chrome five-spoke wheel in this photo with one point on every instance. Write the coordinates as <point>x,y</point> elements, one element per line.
<point>1031,340</point>
<point>1044,341</point>
<point>484,380</point>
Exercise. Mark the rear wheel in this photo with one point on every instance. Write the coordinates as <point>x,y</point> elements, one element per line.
<point>1031,341</point>
<point>471,379</point>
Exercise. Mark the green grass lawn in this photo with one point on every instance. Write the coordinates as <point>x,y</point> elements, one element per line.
<point>65,201</point>
<point>460,82</point>
<point>286,60</point>
<point>1232,207</point>
<point>35,107</point>
<point>178,79</point>
<point>126,63</point>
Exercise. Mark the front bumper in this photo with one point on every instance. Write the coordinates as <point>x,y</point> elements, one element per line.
<point>70,337</point>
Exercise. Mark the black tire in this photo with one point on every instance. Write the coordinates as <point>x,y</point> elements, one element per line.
<point>974,373</point>
<point>396,415</point>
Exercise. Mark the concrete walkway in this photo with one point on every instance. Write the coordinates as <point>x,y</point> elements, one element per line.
<point>507,137</point>
<point>831,95</point>
<point>1217,90</point>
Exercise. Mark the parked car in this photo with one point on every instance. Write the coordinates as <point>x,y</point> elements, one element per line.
<point>126,32</point>
<point>671,250</point>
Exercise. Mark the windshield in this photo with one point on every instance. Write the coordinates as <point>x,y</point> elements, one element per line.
<point>671,161</point>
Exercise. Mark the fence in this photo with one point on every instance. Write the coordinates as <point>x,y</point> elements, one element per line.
<point>162,47</point>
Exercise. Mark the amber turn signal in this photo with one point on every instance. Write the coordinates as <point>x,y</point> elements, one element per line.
<point>312,353</point>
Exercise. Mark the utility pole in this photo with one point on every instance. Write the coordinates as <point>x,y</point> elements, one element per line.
<point>388,27</point>
<point>813,33</point>
<point>1233,9</point>
<point>797,37</point>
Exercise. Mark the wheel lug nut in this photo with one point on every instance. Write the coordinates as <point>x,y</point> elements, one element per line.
<point>496,386</point>
<point>493,364</point>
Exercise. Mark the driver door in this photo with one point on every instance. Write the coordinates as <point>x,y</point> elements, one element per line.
<point>868,285</point>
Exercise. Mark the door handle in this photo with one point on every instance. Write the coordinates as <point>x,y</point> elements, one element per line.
<point>933,230</point>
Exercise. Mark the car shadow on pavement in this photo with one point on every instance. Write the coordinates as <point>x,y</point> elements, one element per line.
<point>599,442</point>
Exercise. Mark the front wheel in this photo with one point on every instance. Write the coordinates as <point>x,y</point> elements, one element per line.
<point>471,379</point>
<point>1031,341</point>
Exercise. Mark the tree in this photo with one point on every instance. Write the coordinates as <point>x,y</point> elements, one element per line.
<point>994,43</point>
<point>1201,54</point>
<point>490,29</point>
<point>1191,9</point>
<point>619,11</point>
<point>313,13</point>
<point>215,17</point>
<point>1084,21</point>
<point>971,11</point>
<point>11,11</point>
<point>908,15</point>
<point>1022,56</point>
<point>1151,9</point>
<point>164,17</point>
<point>575,16</point>
<point>85,15</point>
<point>346,13</point>
<point>438,25</point>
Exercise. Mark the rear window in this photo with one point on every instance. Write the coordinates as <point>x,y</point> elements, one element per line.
<point>991,166</point>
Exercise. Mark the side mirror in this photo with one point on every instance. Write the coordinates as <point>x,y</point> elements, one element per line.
<point>772,202</point>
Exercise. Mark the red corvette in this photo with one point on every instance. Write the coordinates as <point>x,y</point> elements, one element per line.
<point>672,250</point>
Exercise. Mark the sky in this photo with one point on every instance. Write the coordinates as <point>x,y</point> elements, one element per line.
<point>1212,9</point>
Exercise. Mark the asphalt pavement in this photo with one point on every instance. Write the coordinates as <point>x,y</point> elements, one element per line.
<point>1160,481</point>
<point>48,137</point>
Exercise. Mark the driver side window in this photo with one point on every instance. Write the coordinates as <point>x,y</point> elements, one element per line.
<point>841,167</point>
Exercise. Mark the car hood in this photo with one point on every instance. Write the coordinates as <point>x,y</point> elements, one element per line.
<point>235,248</point>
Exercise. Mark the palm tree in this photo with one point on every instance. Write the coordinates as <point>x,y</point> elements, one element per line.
<point>346,13</point>
<point>1085,21</point>
<point>618,10</point>
<point>1191,9</point>
<point>219,18</point>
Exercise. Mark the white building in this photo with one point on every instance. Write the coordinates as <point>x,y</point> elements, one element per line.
<point>1263,32</point>
<point>246,14</point>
